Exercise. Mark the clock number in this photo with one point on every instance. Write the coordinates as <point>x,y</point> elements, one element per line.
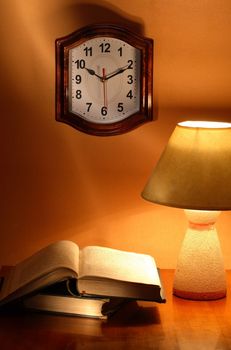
<point>88,50</point>
<point>130,79</point>
<point>104,111</point>
<point>130,64</point>
<point>129,94</point>
<point>78,79</point>
<point>89,104</point>
<point>120,107</point>
<point>80,64</point>
<point>78,94</point>
<point>105,47</point>
<point>120,51</point>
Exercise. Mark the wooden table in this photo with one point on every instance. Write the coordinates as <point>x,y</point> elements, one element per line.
<point>178,324</point>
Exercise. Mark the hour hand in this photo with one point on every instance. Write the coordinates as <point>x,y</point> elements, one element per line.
<point>92,72</point>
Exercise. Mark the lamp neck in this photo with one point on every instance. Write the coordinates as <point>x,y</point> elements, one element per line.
<point>201,219</point>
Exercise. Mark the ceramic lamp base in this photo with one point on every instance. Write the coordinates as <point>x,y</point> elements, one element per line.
<point>199,296</point>
<point>200,273</point>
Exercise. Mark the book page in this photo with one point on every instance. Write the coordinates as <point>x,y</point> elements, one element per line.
<point>120,265</point>
<point>56,255</point>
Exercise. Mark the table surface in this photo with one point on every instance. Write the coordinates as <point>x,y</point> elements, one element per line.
<point>178,324</point>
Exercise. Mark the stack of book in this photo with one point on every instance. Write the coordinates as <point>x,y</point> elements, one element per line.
<point>91,282</point>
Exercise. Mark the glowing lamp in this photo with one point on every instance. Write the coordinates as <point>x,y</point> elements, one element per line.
<point>194,173</point>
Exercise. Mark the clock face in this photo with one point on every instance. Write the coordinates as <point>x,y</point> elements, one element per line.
<point>104,75</point>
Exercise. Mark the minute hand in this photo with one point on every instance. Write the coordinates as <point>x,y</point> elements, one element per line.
<point>119,71</point>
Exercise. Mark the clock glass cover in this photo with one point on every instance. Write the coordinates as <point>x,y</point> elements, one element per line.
<point>104,79</point>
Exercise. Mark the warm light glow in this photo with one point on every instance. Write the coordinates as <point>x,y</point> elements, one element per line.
<point>205,124</point>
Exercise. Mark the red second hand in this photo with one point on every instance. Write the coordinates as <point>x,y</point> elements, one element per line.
<point>104,88</point>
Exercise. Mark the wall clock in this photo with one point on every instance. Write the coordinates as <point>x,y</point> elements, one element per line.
<point>104,79</point>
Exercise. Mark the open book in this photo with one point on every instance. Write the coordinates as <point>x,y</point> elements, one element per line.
<point>99,271</point>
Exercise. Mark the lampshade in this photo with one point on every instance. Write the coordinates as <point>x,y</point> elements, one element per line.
<point>194,171</point>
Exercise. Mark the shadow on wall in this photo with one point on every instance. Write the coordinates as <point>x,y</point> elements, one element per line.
<point>55,178</point>
<point>83,13</point>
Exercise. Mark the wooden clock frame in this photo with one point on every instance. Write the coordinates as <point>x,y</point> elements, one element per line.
<point>145,113</point>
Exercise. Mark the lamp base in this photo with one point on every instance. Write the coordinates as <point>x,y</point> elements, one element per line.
<point>200,296</point>
<point>200,273</point>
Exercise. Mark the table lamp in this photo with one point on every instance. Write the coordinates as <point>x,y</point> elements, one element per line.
<point>194,173</point>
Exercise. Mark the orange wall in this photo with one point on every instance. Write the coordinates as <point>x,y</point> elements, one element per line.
<point>58,183</point>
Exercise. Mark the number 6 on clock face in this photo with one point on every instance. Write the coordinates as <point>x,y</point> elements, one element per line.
<point>104,80</point>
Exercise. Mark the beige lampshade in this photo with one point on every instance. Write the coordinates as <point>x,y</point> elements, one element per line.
<point>194,171</point>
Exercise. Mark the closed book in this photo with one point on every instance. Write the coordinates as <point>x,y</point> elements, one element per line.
<point>63,298</point>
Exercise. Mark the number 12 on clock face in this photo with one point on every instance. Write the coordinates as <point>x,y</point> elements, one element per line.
<point>104,76</point>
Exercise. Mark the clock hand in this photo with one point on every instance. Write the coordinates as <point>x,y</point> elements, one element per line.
<point>104,87</point>
<point>118,71</point>
<point>92,72</point>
